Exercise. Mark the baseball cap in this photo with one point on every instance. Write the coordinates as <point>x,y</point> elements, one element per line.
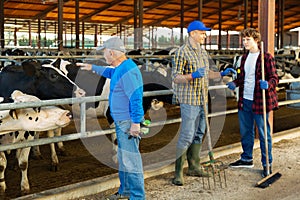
<point>113,43</point>
<point>197,25</point>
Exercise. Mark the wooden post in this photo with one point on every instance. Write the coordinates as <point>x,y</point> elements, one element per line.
<point>266,24</point>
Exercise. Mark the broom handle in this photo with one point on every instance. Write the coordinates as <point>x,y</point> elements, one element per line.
<point>264,107</point>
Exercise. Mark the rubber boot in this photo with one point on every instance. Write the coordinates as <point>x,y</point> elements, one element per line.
<point>181,157</point>
<point>193,157</point>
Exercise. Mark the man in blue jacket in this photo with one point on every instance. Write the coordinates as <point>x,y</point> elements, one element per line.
<point>125,101</point>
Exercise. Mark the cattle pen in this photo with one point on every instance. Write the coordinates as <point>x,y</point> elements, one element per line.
<point>108,182</point>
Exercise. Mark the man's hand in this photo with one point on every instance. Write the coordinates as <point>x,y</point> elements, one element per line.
<point>199,73</point>
<point>135,129</point>
<point>231,85</point>
<point>228,71</point>
<point>264,85</point>
<point>84,66</point>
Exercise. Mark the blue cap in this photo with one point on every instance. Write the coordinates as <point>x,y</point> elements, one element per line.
<point>197,25</point>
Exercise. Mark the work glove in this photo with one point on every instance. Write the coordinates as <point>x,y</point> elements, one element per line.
<point>264,85</point>
<point>231,85</point>
<point>199,73</point>
<point>228,71</point>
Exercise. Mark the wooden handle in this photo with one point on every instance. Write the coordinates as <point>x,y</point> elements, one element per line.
<point>262,61</point>
<point>264,107</point>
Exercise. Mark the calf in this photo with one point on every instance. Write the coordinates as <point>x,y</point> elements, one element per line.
<point>19,125</point>
<point>39,119</point>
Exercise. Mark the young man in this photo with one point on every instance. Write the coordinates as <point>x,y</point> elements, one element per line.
<point>125,101</point>
<point>191,64</point>
<point>250,104</point>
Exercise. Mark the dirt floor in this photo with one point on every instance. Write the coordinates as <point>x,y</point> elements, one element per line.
<point>240,182</point>
<point>82,164</point>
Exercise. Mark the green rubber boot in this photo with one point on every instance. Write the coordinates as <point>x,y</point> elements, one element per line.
<point>181,157</point>
<point>193,157</point>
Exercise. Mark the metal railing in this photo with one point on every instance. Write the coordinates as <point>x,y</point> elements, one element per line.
<point>83,100</point>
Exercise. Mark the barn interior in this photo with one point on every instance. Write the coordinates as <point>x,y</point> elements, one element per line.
<point>138,18</point>
<point>81,25</point>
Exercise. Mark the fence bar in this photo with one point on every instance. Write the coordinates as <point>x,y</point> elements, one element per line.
<point>286,102</point>
<point>83,118</point>
<point>84,100</point>
<point>55,102</point>
<point>73,136</point>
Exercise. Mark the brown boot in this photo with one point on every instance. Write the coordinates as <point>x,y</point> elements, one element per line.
<point>181,156</point>
<point>193,157</point>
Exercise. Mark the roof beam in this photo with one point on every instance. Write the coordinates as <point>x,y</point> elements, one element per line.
<point>132,15</point>
<point>157,22</point>
<point>286,18</point>
<point>88,16</point>
<point>45,12</point>
<point>147,9</point>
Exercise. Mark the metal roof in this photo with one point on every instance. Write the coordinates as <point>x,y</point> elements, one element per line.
<point>113,14</point>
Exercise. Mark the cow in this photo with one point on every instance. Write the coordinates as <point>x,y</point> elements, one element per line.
<point>44,81</point>
<point>19,125</point>
<point>167,52</point>
<point>13,52</point>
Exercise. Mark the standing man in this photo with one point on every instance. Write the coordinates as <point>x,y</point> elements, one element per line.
<point>191,66</point>
<point>125,101</point>
<point>250,103</point>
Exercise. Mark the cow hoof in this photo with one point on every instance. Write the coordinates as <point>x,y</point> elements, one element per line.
<point>54,168</point>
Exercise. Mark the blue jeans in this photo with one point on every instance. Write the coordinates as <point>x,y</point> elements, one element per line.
<point>130,163</point>
<point>193,125</point>
<point>247,130</point>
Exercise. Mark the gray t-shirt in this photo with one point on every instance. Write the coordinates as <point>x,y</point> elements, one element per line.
<point>250,75</point>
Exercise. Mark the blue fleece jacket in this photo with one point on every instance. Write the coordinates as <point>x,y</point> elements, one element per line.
<point>126,90</point>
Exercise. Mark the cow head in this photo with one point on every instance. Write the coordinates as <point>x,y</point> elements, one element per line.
<point>32,119</point>
<point>50,83</point>
<point>91,83</point>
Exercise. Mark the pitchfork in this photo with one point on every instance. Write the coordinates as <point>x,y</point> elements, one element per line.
<point>214,167</point>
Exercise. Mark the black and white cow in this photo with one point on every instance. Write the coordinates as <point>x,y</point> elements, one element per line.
<point>19,125</point>
<point>44,81</point>
<point>13,52</point>
<point>167,52</point>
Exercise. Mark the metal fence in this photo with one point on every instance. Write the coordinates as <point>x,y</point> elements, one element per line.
<point>83,100</point>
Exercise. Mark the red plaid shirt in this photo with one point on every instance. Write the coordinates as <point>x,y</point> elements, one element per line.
<point>270,76</point>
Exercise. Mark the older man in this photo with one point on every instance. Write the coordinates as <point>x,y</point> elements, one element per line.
<point>125,101</point>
